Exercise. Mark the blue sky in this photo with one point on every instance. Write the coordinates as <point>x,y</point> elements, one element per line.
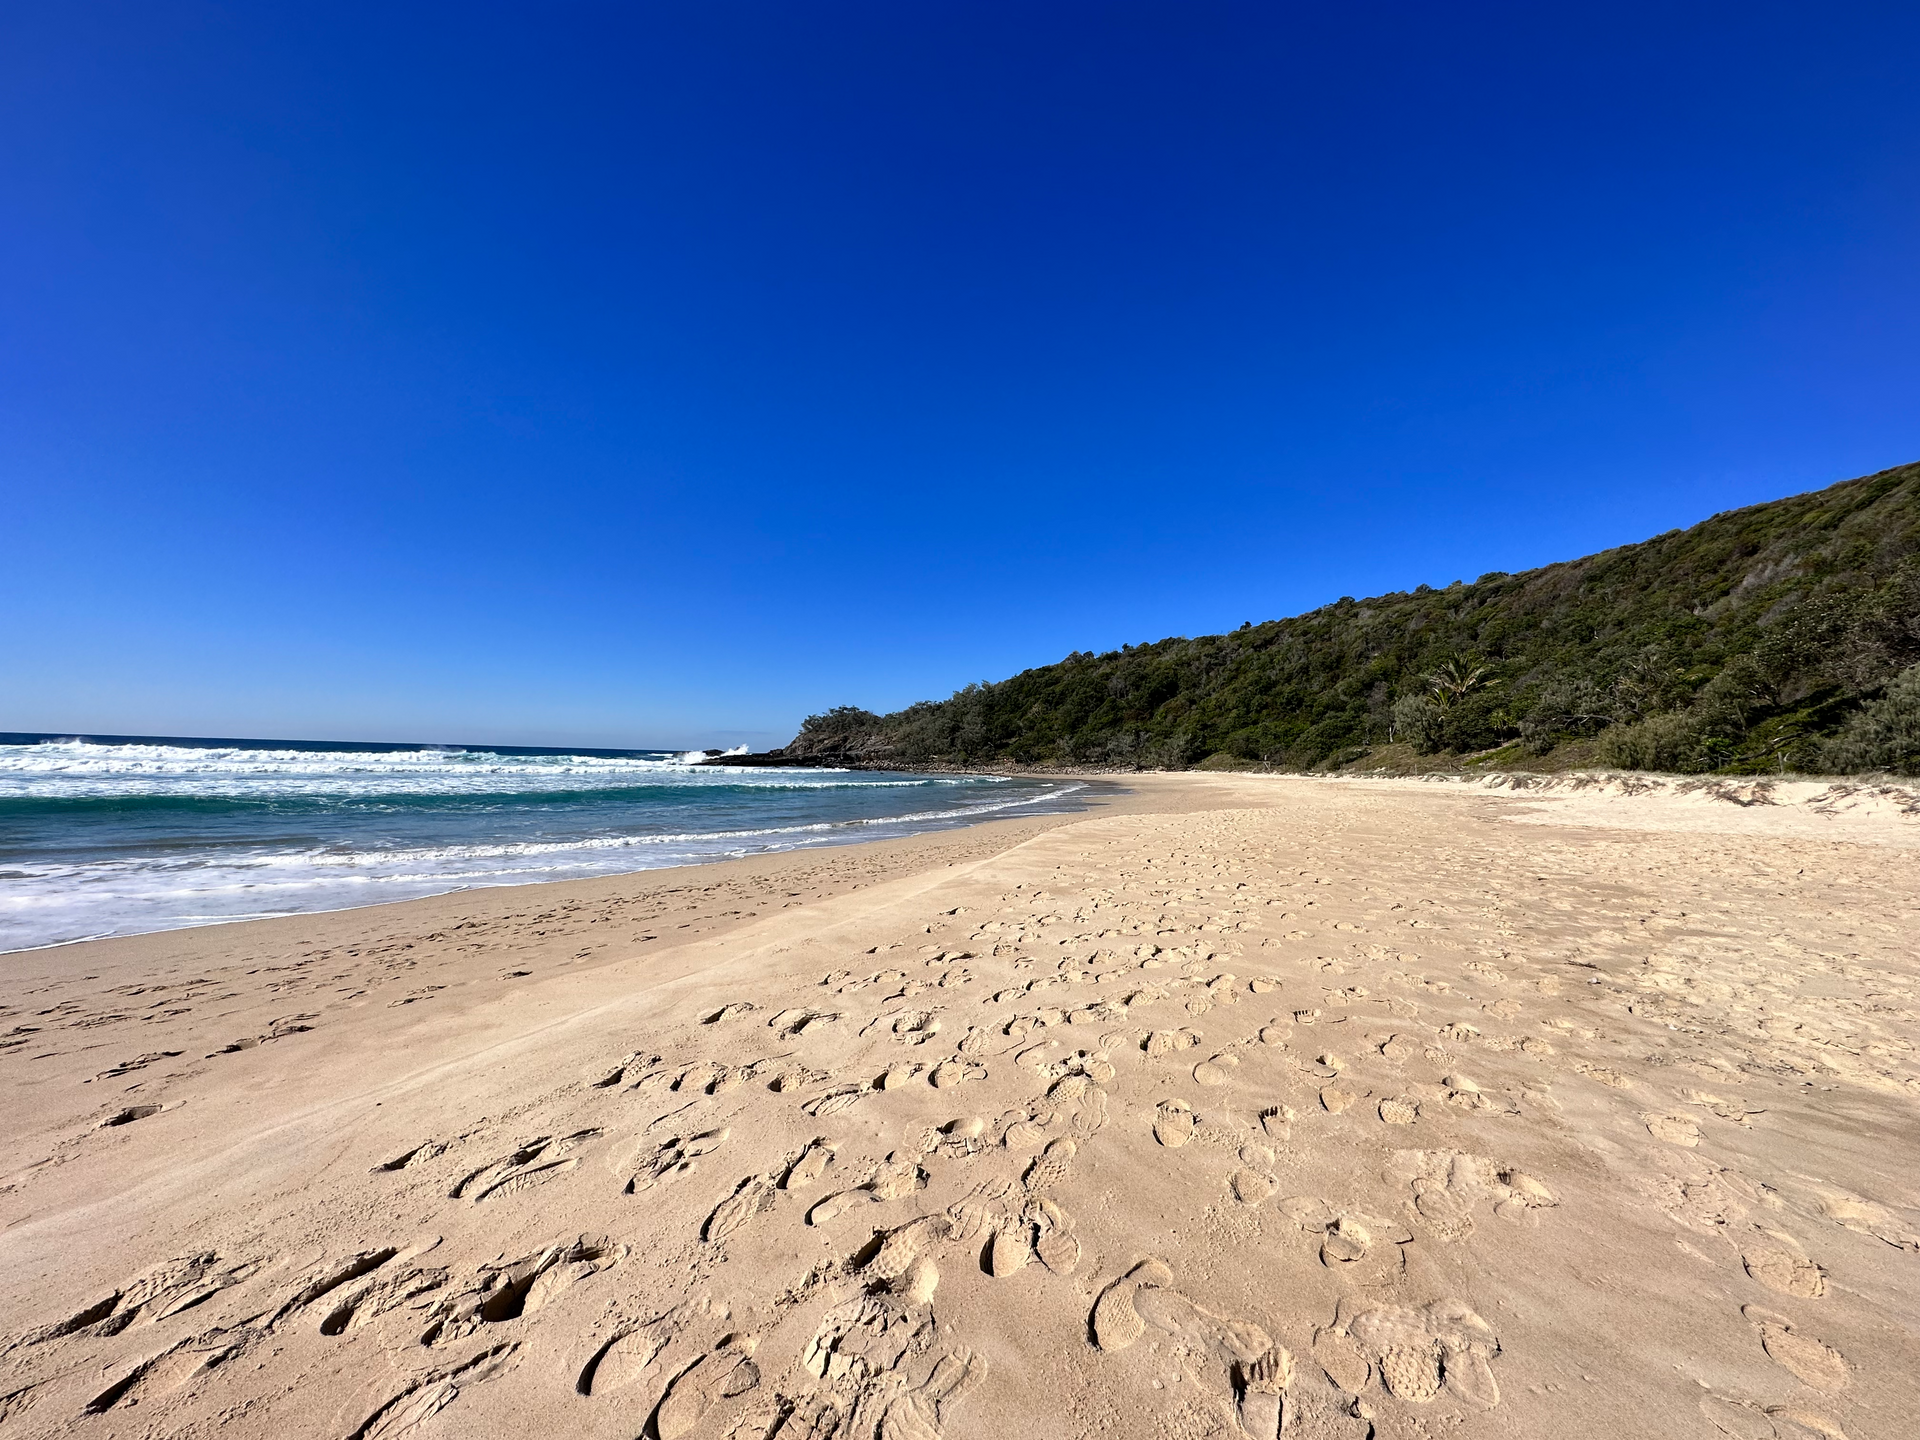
<point>659,374</point>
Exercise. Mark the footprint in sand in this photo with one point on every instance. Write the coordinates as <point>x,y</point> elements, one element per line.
<point>721,1374</point>
<point>1041,1231</point>
<point>750,1197</point>
<point>1166,1042</point>
<point>1116,1323</point>
<point>949,1073</point>
<point>608,1079</point>
<point>789,1024</point>
<point>980,1211</point>
<point>900,1247</point>
<point>914,1027</point>
<point>1344,1361</point>
<point>1364,1249</point>
<point>533,1163</point>
<point>1810,1360</point>
<point>1786,1272</point>
<point>1261,1385</point>
<point>1401,1048</point>
<point>363,1304</point>
<point>1079,1103</point>
<point>1348,1239</point>
<point>650,1354</point>
<point>869,1394</point>
<point>649,1163</point>
<point>957,1139</point>
<point>1144,1297</point>
<point>1865,1217</point>
<point>893,1180</point>
<point>1050,1168</point>
<point>425,1150</point>
<point>1613,1079</point>
<point>174,1368</point>
<point>1746,1421</point>
<point>1242,1355</point>
<point>1009,1249</point>
<point>811,1165</point>
<point>1737,1111</point>
<point>1173,1123</point>
<point>431,1393</point>
<point>788,1078</point>
<point>504,1292</point>
<point>1029,1132</point>
<point>330,1275</point>
<point>1464,1094</point>
<point>1308,1212</point>
<point>1674,1129</point>
<point>1417,1353</point>
<point>165,1290</point>
<point>1094,1064</point>
<point>1447,1184</point>
<point>836,1100</point>
<point>1399,1110</point>
<point>872,1334</point>
<point>1444,1214</point>
<point>1216,1071</point>
<point>128,1115</point>
<point>1054,1240</point>
<point>830,1208</point>
<point>1251,1187</point>
<point>898,1176</point>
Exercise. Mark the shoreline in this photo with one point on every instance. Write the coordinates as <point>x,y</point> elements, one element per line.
<point>792,839</point>
<point>888,856</point>
<point>1544,1077</point>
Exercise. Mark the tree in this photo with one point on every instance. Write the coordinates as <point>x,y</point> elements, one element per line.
<point>1455,679</point>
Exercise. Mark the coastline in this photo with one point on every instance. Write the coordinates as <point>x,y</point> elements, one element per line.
<point>115,840</point>
<point>522,1087</point>
<point>742,881</point>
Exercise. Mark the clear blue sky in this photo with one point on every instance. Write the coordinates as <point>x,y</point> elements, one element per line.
<point>658,374</point>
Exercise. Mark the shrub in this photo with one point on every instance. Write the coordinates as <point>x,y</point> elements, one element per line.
<point>1568,705</point>
<point>1884,734</point>
<point>1420,722</point>
<point>1669,741</point>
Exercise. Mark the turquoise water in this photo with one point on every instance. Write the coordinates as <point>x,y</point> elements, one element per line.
<point>120,838</point>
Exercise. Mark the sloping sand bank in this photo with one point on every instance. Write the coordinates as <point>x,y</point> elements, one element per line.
<point>1244,1106</point>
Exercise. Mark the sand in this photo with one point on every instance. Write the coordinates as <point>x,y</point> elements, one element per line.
<point>1238,1106</point>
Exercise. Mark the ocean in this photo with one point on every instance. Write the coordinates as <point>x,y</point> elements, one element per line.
<point>114,836</point>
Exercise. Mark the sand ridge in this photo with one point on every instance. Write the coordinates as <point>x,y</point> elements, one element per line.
<point>1255,1107</point>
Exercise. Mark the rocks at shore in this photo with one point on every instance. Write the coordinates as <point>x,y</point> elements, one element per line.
<point>840,751</point>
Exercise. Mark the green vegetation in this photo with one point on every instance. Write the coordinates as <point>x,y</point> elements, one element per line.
<point>1781,636</point>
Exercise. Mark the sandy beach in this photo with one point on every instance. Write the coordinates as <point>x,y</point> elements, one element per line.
<point>1237,1105</point>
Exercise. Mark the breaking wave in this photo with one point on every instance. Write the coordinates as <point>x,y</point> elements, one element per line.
<point>101,839</point>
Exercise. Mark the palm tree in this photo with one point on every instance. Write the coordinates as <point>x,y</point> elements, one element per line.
<point>1455,678</point>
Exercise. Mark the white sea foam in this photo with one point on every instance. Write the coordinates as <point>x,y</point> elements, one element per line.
<point>78,768</point>
<point>69,873</point>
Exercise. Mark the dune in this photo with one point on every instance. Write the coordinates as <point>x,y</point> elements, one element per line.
<point>1238,1105</point>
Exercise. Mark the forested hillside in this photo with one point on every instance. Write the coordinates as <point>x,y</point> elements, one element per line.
<point>1784,635</point>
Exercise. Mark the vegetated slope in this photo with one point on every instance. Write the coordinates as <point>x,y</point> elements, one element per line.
<point>1783,635</point>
